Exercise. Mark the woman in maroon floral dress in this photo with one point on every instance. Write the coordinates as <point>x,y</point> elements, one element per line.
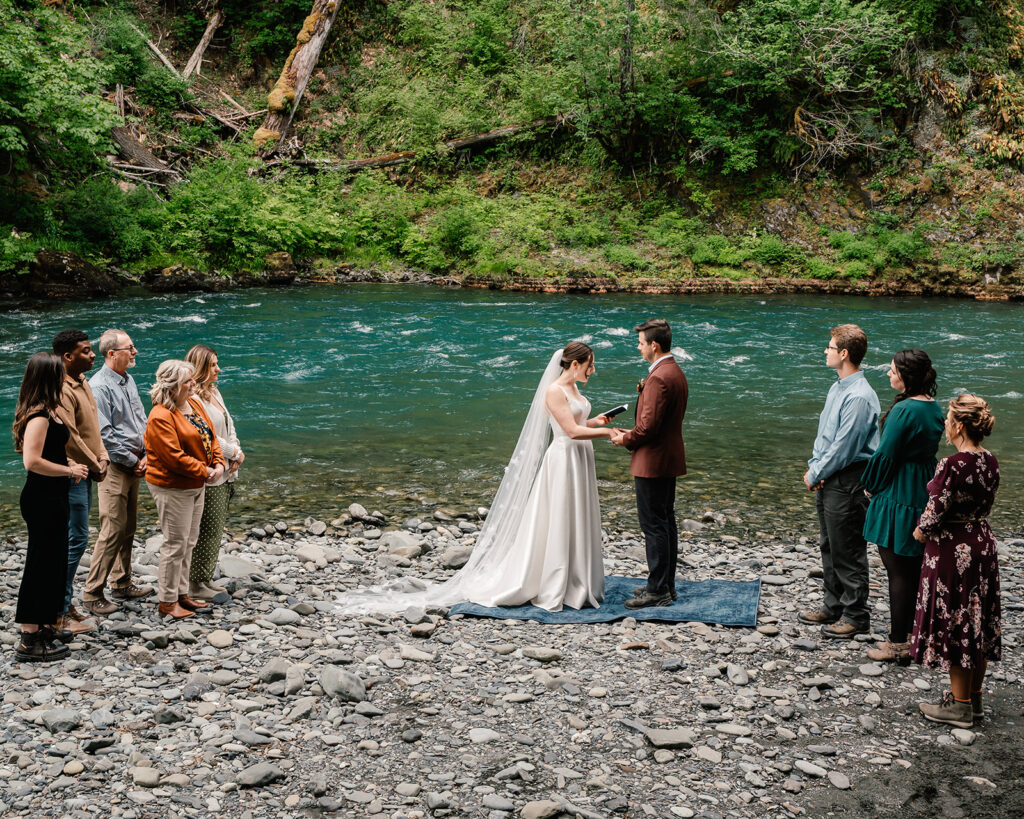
<point>957,622</point>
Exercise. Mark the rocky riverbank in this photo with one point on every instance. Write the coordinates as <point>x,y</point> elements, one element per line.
<point>65,276</point>
<point>274,706</point>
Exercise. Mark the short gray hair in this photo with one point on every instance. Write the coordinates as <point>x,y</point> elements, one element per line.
<point>108,341</point>
<point>170,375</point>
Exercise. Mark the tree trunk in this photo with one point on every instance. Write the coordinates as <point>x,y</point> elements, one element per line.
<point>138,154</point>
<point>287,93</point>
<point>197,55</point>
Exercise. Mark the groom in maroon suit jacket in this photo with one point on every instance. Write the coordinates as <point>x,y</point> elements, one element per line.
<point>658,459</point>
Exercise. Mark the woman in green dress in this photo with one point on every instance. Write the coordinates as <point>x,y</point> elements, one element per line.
<point>895,480</point>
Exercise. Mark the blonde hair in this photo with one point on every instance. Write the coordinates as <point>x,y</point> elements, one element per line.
<point>170,375</point>
<point>973,413</point>
<point>202,357</point>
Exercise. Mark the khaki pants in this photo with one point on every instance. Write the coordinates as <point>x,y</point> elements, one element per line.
<point>180,512</point>
<point>118,500</point>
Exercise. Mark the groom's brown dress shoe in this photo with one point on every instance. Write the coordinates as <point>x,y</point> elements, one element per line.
<point>647,599</point>
<point>640,591</point>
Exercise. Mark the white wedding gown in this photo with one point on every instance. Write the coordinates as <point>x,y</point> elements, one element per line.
<point>541,542</point>
<point>556,558</point>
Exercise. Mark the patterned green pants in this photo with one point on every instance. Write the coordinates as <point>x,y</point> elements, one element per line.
<point>211,528</point>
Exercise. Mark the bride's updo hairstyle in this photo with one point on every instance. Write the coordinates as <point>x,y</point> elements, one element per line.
<point>973,412</point>
<point>576,351</point>
<point>917,374</point>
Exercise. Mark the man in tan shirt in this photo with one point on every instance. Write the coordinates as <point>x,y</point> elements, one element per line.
<point>78,412</point>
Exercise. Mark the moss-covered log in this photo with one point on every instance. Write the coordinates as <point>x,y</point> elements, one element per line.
<point>287,92</point>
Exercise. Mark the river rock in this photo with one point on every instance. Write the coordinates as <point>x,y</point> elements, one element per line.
<point>455,557</point>
<point>542,654</point>
<point>232,566</point>
<point>284,617</point>
<point>218,638</point>
<point>258,775</point>
<point>310,553</point>
<point>342,684</point>
<point>542,809</point>
<point>61,720</point>
<point>670,737</point>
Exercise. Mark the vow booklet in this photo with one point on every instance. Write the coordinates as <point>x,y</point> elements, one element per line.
<point>613,412</point>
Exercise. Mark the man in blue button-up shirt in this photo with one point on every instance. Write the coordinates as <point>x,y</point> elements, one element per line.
<point>122,427</point>
<point>847,437</point>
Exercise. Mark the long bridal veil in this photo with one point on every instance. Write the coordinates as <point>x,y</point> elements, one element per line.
<point>496,536</point>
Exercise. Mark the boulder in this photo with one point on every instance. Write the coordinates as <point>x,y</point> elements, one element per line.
<point>180,279</point>
<point>56,274</point>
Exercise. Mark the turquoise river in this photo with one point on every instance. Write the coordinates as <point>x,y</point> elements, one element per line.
<point>408,398</point>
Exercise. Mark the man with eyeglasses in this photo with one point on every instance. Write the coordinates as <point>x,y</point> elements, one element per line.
<point>122,427</point>
<point>847,438</point>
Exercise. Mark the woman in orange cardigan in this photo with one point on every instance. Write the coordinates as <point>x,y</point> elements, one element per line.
<point>182,456</point>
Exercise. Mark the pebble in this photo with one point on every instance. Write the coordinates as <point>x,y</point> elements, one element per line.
<point>542,653</point>
<point>219,638</point>
<point>963,736</point>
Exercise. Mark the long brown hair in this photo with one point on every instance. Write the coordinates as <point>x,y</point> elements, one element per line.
<point>915,370</point>
<point>40,390</point>
<point>201,358</point>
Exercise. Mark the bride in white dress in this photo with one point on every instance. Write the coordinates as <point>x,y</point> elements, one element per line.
<point>541,542</point>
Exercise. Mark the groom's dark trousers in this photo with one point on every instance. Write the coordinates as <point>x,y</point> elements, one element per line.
<point>655,505</point>
<point>659,457</point>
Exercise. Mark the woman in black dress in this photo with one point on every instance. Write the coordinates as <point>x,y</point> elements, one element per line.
<point>957,626</point>
<point>41,439</point>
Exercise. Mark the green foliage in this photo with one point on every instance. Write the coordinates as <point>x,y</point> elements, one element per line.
<point>625,257</point>
<point>51,111</point>
<point>131,63</point>
<point>261,30</point>
<point>119,225</point>
<point>16,249</point>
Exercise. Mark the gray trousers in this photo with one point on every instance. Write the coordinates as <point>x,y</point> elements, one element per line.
<point>844,552</point>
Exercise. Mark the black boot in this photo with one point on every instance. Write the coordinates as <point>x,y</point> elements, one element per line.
<point>35,648</point>
<point>52,633</point>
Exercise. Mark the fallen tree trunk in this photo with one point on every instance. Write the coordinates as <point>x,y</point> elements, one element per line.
<point>287,93</point>
<point>197,56</point>
<point>388,160</point>
<point>157,51</point>
<point>138,154</point>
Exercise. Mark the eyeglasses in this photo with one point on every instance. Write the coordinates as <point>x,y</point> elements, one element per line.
<point>832,347</point>
<point>131,347</point>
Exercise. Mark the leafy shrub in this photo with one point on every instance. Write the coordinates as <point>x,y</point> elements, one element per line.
<point>818,269</point>
<point>626,257</point>
<point>123,226</point>
<point>131,64</point>
<point>772,251</point>
<point>51,109</point>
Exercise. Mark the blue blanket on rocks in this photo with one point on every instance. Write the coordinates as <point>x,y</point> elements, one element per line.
<point>725,602</point>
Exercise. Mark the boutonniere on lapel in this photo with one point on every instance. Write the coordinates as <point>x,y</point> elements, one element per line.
<point>640,385</point>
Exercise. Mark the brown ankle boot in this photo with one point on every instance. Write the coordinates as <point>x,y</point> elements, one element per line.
<point>888,652</point>
<point>192,605</point>
<point>174,611</point>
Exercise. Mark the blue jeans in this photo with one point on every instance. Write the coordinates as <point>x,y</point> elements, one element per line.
<point>79,502</point>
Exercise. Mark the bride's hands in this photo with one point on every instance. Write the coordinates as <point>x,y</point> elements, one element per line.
<point>601,420</point>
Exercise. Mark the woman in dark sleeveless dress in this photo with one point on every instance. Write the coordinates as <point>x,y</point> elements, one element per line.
<point>957,626</point>
<point>41,439</point>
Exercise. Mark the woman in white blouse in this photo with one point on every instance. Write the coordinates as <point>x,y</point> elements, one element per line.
<point>215,511</point>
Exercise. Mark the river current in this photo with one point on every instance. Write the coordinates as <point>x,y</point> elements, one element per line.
<point>406,398</point>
